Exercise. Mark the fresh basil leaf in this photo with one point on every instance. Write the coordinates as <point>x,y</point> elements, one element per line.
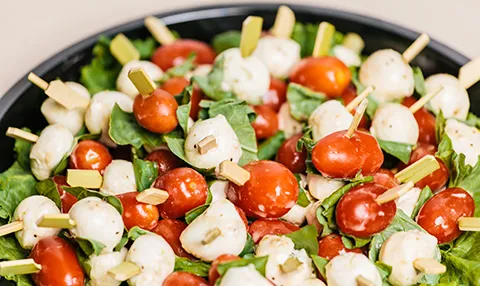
<point>320,264</point>
<point>211,85</point>
<point>87,136</point>
<point>183,111</point>
<point>180,70</point>
<point>122,242</point>
<point>196,212</point>
<point>466,177</point>
<point>356,82</point>
<point>11,250</point>
<point>424,196</point>
<point>62,165</point>
<point>305,35</point>
<point>372,101</point>
<point>81,193</point>
<point>22,150</point>
<point>351,242</point>
<point>384,270</point>
<point>146,47</point>
<point>249,247</point>
<point>472,120</point>
<point>259,263</point>
<point>83,261</point>
<point>90,246</point>
<point>439,126</point>
<point>401,151</point>
<point>302,200</point>
<point>419,81</point>
<point>226,40</point>
<point>269,148</point>
<point>145,173</point>
<point>135,232</point>
<point>48,188</point>
<point>303,101</point>
<point>305,238</point>
<point>306,142</point>
<point>199,268</point>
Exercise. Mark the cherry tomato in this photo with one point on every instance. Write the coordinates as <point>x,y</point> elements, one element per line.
<point>262,227</point>
<point>359,215</point>
<point>68,200</point>
<point>290,157</point>
<point>213,273</point>
<point>90,155</point>
<point>266,122</point>
<point>165,160</point>
<point>386,178</point>
<point>323,74</point>
<point>348,96</point>
<point>270,193</point>
<point>338,156</point>
<point>59,262</point>
<point>157,112</point>
<point>170,230</point>
<point>187,190</point>
<point>176,85</point>
<point>332,245</point>
<point>439,215</point>
<point>276,94</point>
<point>242,215</point>
<point>175,54</point>
<point>136,213</point>
<point>425,121</point>
<point>180,278</point>
<point>436,180</point>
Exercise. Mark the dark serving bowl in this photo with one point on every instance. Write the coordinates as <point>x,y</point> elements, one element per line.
<point>20,106</point>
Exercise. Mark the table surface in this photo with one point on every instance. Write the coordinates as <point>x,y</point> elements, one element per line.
<point>33,30</point>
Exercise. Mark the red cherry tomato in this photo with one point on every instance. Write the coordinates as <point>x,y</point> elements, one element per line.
<point>165,160</point>
<point>337,156</point>
<point>170,230</point>
<point>270,193</point>
<point>90,155</point>
<point>359,215</point>
<point>332,245</point>
<point>242,215</point>
<point>157,112</point>
<point>59,263</point>
<point>68,200</point>
<point>136,213</point>
<point>386,178</point>
<point>262,227</point>
<point>439,215</point>
<point>425,121</point>
<point>187,190</point>
<point>348,96</point>
<point>436,180</point>
<point>184,279</point>
<point>176,85</point>
<point>175,54</point>
<point>213,273</point>
<point>266,122</point>
<point>290,157</point>
<point>276,94</point>
<point>323,74</point>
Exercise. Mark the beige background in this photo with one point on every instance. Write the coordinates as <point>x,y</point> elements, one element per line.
<point>33,30</point>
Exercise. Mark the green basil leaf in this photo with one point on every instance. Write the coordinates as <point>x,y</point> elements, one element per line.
<point>22,150</point>
<point>226,40</point>
<point>62,165</point>
<point>180,70</point>
<point>439,126</point>
<point>145,173</point>
<point>81,193</point>
<point>199,268</point>
<point>303,101</point>
<point>305,35</point>
<point>122,242</point>
<point>320,264</point>
<point>269,148</point>
<point>48,188</point>
<point>211,85</point>
<point>384,270</point>
<point>351,242</point>
<point>83,261</point>
<point>302,200</point>
<point>146,47</point>
<point>196,212</point>
<point>249,247</point>
<point>401,151</point>
<point>183,111</point>
<point>87,136</point>
<point>90,246</point>
<point>473,120</point>
<point>372,101</point>
<point>305,238</point>
<point>135,232</point>
<point>424,196</point>
<point>419,81</point>
<point>259,263</point>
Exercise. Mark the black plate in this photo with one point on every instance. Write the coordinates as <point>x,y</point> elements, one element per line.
<point>21,104</point>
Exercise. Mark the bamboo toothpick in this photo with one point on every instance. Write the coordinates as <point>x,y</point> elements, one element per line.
<point>153,196</point>
<point>418,170</point>
<point>416,47</point>
<point>38,81</point>
<point>56,221</point>
<point>362,281</point>
<point>356,101</point>
<point>251,31</point>
<point>20,134</point>
<point>211,236</point>
<point>323,41</point>
<point>124,271</point>
<point>469,224</point>
<point>90,179</point>
<point>142,81</point>
<point>234,173</point>
<point>429,266</point>
<point>123,50</point>
<point>206,144</point>
<point>357,118</point>
<point>394,193</point>
<point>469,74</point>
<point>290,265</point>
<point>422,101</point>
<point>11,228</point>
<point>284,23</point>
<point>18,267</point>
<point>159,31</point>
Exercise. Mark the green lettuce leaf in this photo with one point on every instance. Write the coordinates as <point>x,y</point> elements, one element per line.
<point>146,47</point>
<point>305,238</point>
<point>269,148</point>
<point>385,271</point>
<point>351,242</point>
<point>90,246</point>
<point>11,250</point>
<point>22,150</point>
<point>420,88</point>
<point>303,101</point>
<point>145,173</point>
<point>320,264</point>
<point>81,193</point>
<point>401,151</point>
<point>197,267</point>
<point>259,263</point>
<point>211,85</point>
<point>226,40</point>
<point>305,34</point>
<point>48,188</point>
<point>424,196</point>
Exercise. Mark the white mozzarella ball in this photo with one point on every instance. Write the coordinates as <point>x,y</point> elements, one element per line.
<point>391,76</point>
<point>247,78</point>
<point>394,122</point>
<point>100,264</point>
<point>118,178</point>
<point>221,217</point>
<point>154,256</point>
<point>453,100</point>
<point>245,276</point>
<point>279,55</point>
<point>312,215</point>
<point>52,145</point>
<point>408,201</point>
<point>321,188</point>
<point>329,117</point>
<point>296,215</point>
<point>347,56</point>
<point>56,113</point>
<point>465,140</point>
<point>344,269</point>
<point>98,113</point>
<point>29,211</point>
<point>313,282</point>
<point>200,70</point>
<point>228,145</point>
<point>125,85</point>
<point>287,123</point>
<point>97,220</point>
<point>218,190</point>
<point>401,249</point>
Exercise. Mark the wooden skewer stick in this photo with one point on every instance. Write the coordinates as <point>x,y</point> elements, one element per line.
<point>56,221</point>
<point>357,117</point>
<point>234,173</point>
<point>206,144</point>
<point>90,179</point>
<point>124,271</point>
<point>20,134</point>
<point>38,81</point>
<point>416,47</point>
<point>323,41</point>
<point>354,42</point>
<point>17,267</point>
<point>429,266</point>
<point>422,101</point>
<point>469,224</point>
<point>356,101</point>
<point>153,196</point>
<point>418,170</point>
<point>142,81</point>
<point>211,236</point>
<point>11,228</point>
<point>469,74</point>
<point>284,23</point>
<point>290,265</point>
<point>251,31</point>
<point>362,281</point>
<point>123,50</point>
<point>159,31</point>
<point>394,193</point>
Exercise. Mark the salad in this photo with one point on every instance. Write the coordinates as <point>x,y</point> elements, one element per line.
<point>279,157</point>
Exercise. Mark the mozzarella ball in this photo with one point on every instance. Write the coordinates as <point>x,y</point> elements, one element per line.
<point>125,85</point>
<point>401,249</point>
<point>218,190</point>
<point>313,282</point>
<point>98,113</point>
<point>228,145</point>
<point>279,249</point>
<point>408,201</point>
<point>344,269</point>
<point>245,276</point>
<point>221,217</point>
<point>247,78</point>
<point>287,123</point>
<point>465,140</point>
<point>29,211</point>
<point>98,220</point>
<point>329,117</point>
<point>321,188</point>
<point>154,256</point>
<point>279,55</point>
<point>347,56</point>
<point>100,264</point>
<point>394,122</point>
<point>311,215</point>
<point>296,215</point>
<point>118,178</point>
<point>52,145</point>
<point>453,100</point>
<point>200,70</point>
<point>391,76</point>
